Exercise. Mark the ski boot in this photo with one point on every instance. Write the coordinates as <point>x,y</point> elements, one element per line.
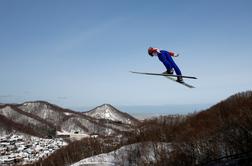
<point>169,71</point>
<point>180,79</point>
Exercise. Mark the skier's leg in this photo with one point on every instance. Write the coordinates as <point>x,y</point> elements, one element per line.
<point>176,68</point>
<point>178,72</point>
<point>173,65</point>
<point>168,67</point>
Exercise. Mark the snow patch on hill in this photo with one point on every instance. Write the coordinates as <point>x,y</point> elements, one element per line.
<point>108,112</point>
<point>129,155</point>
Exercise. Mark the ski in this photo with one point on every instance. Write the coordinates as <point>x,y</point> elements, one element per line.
<point>170,77</point>
<point>182,83</point>
<point>163,74</point>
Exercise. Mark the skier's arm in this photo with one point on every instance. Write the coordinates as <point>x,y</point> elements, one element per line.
<point>173,54</point>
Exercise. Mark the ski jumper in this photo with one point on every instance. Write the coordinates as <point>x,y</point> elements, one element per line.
<point>166,59</point>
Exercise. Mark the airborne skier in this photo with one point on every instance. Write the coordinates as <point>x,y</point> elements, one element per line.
<point>166,58</point>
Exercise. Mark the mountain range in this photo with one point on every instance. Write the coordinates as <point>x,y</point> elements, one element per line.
<point>219,135</point>
<point>43,119</point>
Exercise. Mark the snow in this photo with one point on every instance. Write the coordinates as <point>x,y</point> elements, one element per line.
<point>43,110</point>
<point>62,133</point>
<point>105,113</point>
<point>67,113</point>
<point>74,136</point>
<point>121,156</point>
<point>108,112</point>
<point>6,111</point>
<point>27,149</point>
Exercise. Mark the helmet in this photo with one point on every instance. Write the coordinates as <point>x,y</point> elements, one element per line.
<point>151,50</point>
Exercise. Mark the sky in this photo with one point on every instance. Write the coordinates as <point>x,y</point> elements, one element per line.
<point>79,53</point>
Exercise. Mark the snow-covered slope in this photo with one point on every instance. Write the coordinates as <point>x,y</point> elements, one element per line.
<point>130,155</point>
<point>19,117</point>
<point>49,117</point>
<point>107,111</point>
<point>14,118</point>
<point>44,110</point>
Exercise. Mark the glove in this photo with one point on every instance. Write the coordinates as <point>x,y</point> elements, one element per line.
<point>176,55</point>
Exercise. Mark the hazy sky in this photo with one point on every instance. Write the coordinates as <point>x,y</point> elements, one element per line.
<point>79,53</point>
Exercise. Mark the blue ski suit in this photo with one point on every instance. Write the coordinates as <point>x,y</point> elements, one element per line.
<point>166,59</point>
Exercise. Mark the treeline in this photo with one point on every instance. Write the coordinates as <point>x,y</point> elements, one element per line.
<point>160,129</point>
<point>207,137</point>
